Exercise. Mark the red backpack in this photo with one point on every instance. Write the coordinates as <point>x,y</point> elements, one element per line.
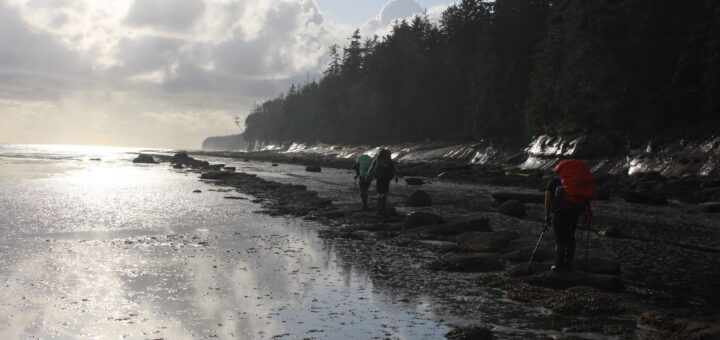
<point>578,183</point>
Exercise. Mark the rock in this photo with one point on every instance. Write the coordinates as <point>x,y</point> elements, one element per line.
<point>419,199</point>
<point>414,181</point>
<point>229,168</point>
<point>313,168</point>
<point>480,225</point>
<point>468,263</point>
<point>566,280</point>
<point>418,219</point>
<point>543,253</point>
<point>216,167</point>
<point>275,164</point>
<point>609,232</point>
<point>522,197</point>
<point>216,175</point>
<point>469,333</point>
<point>597,265</point>
<point>602,193</point>
<point>521,270</point>
<point>646,197</point>
<point>492,242</point>
<point>197,191</point>
<point>95,159</point>
<point>710,207</point>
<point>513,208</point>
<point>144,159</point>
<point>234,198</point>
<point>180,156</point>
<point>178,166</point>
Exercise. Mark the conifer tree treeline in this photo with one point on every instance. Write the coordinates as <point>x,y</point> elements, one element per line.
<point>505,70</point>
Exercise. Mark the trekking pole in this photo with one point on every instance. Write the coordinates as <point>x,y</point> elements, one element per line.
<point>529,268</point>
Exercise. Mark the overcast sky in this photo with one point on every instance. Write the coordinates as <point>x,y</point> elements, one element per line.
<point>163,73</point>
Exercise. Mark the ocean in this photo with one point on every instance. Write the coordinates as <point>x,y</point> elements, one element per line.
<point>93,246</point>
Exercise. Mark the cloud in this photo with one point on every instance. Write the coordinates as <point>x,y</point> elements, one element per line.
<point>131,62</point>
<point>393,10</point>
<point>165,14</point>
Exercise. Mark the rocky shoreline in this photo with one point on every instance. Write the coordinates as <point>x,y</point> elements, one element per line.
<point>649,273</point>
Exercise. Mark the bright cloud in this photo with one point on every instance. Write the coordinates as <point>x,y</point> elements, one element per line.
<point>154,72</point>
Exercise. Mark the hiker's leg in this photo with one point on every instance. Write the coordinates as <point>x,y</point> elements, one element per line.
<point>364,185</point>
<point>570,250</point>
<point>560,240</point>
<point>382,189</point>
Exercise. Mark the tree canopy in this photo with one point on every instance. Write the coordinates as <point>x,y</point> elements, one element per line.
<point>505,70</point>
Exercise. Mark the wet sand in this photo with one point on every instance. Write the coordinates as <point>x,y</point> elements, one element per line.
<point>667,256</point>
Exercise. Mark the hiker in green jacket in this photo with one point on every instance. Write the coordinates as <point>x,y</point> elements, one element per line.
<point>384,171</point>
<point>362,165</point>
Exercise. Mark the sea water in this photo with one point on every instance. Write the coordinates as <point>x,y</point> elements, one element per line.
<point>94,246</point>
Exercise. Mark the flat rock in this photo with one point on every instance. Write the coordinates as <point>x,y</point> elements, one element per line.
<point>543,253</point>
<point>710,207</point>
<point>597,265</point>
<point>646,197</point>
<point>469,333</point>
<point>216,175</point>
<point>564,280</point>
<point>313,168</point>
<point>513,208</point>
<point>522,197</point>
<point>419,198</point>
<point>414,181</point>
<point>479,225</point>
<point>418,219</point>
<point>469,263</point>
<point>144,159</point>
<point>492,242</point>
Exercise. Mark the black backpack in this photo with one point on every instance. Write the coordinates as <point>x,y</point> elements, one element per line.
<point>385,170</point>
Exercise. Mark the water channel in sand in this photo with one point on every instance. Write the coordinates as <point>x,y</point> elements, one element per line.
<point>100,249</point>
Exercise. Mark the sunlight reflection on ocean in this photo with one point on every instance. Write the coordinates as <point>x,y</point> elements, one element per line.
<point>109,249</point>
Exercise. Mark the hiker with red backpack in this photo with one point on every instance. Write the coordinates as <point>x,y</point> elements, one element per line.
<point>383,169</point>
<point>567,198</point>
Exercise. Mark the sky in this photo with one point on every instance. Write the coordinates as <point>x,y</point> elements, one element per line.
<point>164,73</point>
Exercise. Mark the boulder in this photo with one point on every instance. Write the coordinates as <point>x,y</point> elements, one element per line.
<point>414,181</point>
<point>216,175</point>
<point>513,208</point>
<point>216,167</point>
<point>229,168</point>
<point>144,159</point>
<point>418,219</point>
<point>522,197</point>
<point>491,242</point>
<point>468,263</point>
<point>275,164</point>
<point>469,333</point>
<point>178,166</point>
<point>646,197</point>
<point>419,198</point>
<point>480,225</point>
<point>564,280</point>
<point>313,168</point>
<point>180,156</point>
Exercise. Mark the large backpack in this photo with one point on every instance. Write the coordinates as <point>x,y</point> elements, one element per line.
<point>384,170</point>
<point>578,183</point>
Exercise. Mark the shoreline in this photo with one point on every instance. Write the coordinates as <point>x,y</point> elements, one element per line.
<point>437,259</point>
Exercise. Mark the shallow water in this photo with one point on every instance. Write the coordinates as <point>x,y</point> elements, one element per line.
<point>100,249</point>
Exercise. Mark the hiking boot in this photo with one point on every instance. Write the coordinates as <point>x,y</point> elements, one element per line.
<point>382,201</point>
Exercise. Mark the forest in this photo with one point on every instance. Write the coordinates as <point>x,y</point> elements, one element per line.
<point>507,70</point>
